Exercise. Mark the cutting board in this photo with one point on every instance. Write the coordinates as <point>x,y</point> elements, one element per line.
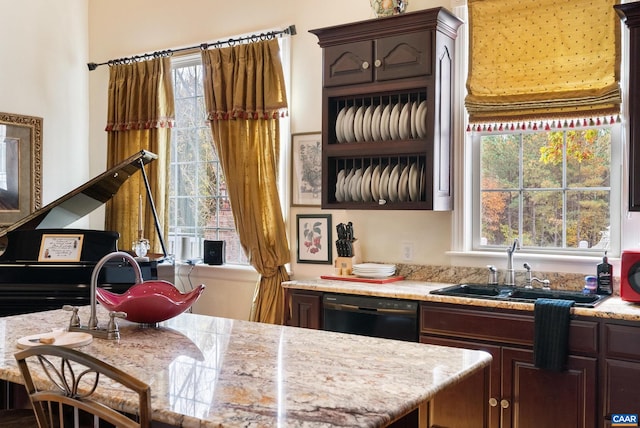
<point>71,339</point>
<point>354,278</point>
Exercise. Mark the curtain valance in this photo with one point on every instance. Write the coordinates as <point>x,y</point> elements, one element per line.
<point>537,59</point>
<point>140,95</point>
<point>248,82</point>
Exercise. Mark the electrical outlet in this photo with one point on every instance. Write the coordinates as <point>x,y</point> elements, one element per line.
<point>407,251</point>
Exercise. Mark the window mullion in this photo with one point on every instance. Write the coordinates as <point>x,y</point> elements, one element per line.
<point>521,191</point>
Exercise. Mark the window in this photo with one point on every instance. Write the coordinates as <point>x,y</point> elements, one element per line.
<point>550,189</point>
<point>198,205</point>
<point>535,186</point>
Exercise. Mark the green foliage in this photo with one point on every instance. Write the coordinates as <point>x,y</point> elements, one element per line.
<point>550,189</point>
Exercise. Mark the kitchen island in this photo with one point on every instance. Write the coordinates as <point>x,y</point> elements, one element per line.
<point>206,371</point>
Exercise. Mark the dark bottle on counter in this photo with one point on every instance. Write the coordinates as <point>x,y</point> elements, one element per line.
<point>605,276</point>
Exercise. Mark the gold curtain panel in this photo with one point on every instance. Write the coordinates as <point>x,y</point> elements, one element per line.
<point>140,95</point>
<point>243,83</point>
<point>248,82</point>
<point>540,59</point>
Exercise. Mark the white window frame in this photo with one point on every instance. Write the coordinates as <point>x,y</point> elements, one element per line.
<point>625,228</point>
<point>614,198</point>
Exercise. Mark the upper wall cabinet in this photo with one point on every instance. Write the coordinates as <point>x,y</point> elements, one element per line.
<point>387,112</point>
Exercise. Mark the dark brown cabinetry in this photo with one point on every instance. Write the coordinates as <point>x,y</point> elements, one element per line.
<point>303,309</point>
<point>620,369</point>
<point>387,112</point>
<point>386,58</point>
<point>520,394</point>
<point>630,14</point>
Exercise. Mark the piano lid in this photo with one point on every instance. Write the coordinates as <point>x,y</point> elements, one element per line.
<point>86,198</point>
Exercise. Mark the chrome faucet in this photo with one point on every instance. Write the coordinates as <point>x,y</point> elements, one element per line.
<point>546,284</point>
<point>510,278</point>
<point>111,332</point>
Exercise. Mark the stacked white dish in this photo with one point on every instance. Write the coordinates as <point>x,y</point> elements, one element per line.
<point>393,183</point>
<point>385,122</point>
<point>373,270</point>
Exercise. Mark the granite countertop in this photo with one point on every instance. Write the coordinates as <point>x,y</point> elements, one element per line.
<point>206,371</point>
<point>613,307</point>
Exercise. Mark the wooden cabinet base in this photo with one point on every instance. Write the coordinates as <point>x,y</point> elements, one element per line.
<point>463,405</point>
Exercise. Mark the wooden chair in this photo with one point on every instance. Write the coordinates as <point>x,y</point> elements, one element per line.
<point>64,395</point>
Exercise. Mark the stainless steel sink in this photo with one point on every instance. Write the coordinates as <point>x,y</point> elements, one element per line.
<point>518,294</point>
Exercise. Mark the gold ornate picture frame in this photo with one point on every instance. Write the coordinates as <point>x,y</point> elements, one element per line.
<point>20,166</point>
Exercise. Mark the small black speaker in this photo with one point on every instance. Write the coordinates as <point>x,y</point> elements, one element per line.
<point>213,252</point>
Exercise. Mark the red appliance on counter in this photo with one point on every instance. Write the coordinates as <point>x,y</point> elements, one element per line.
<point>630,276</point>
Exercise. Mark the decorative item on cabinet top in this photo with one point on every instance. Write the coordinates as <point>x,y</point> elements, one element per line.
<point>388,7</point>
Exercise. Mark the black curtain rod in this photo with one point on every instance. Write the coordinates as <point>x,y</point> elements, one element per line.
<point>290,30</point>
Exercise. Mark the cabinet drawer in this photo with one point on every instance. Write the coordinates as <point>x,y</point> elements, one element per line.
<point>622,341</point>
<point>501,327</point>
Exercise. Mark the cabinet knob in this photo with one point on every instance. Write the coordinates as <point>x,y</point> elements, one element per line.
<point>377,63</point>
<point>365,65</point>
<point>504,403</point>
<point>493,402</point>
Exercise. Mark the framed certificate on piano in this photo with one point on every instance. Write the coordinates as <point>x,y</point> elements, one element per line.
<point>60,248</point>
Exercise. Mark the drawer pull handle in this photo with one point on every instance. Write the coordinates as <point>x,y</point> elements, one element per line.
<point>365,65</point>
<point>377,63</point>
<point>493,402</point>
<point>504,403</point>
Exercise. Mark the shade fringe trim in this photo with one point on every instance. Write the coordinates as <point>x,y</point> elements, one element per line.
<point>543,125</point>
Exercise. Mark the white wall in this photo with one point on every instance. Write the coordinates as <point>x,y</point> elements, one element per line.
<point>43,58</point>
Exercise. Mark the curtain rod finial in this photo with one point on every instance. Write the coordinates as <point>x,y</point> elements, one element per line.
<point>291,30</point>
<point>92,66</point>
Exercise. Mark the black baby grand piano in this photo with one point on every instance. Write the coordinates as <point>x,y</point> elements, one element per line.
<point>44,266</point>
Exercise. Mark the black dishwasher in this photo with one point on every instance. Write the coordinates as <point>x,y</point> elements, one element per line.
<point>371,316</point>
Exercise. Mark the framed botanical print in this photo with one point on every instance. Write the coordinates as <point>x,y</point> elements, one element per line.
<point>306,169</point>
<point>314,238</point>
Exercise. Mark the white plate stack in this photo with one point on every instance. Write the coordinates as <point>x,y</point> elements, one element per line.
<point>373,270</point>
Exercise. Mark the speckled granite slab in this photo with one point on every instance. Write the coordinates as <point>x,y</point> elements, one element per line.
<point>214,372</point>
<point>613,307</point>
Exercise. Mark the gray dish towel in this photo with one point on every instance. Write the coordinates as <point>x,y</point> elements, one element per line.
<point>551,333</point>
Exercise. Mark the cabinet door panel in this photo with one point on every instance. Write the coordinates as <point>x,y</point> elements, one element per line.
<point>348,64</point>
<point>489,404</point>
<point>621,387</point>
<point>536,397</point>
<point>305,310</point>
<point>622,341</point>
<point>403,56</point>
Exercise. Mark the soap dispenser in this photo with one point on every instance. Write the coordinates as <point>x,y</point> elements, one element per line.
<point>605,276</point>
